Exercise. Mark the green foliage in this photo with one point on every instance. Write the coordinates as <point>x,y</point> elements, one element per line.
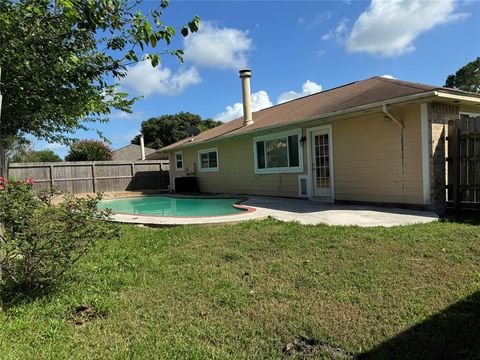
<point>61,61</point>
<point>34,156</point>
<point>466,78</point>
<point>89,150</point>
<point>42,240</point>
<point>168,129</point>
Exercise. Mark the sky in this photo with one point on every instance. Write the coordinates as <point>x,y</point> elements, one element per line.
<point>294,48</point>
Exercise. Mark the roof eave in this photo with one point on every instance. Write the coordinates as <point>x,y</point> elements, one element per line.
<point>427,94</point>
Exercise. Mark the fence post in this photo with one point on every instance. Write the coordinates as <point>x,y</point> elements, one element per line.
<point>52,182</point>
<point>453,157</point>
<point>94,181</point>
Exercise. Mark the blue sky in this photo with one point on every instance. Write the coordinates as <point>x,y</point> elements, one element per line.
<point>294,48</point>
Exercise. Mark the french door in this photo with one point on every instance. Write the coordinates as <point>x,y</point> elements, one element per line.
<point>321,152</point>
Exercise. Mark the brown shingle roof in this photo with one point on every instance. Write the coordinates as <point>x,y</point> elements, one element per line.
<point>344,97</point>
<point>131,152</point>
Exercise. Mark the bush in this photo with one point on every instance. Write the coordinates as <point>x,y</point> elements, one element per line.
<point>42,240</point>
<point>89,150</point>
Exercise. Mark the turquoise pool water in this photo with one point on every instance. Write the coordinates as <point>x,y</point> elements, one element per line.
<point>171,206</point>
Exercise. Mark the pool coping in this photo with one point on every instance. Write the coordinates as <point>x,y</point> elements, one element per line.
<point>302,211</point>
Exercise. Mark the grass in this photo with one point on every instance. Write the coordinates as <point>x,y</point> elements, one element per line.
<point>248,290</point>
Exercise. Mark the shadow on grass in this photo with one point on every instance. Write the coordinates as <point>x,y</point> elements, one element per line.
<point>471,217</point>
<point>12,296</point>
<point>454,333</point>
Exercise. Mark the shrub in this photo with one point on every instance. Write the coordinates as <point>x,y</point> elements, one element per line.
<point>89,150</point>
<point>42,240</point>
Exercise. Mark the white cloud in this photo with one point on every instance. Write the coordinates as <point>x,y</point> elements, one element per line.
<point>321,17</point>
<point>260,100</point>
<point>321,52</point>
<point>387,76</point>
<point>389,28</point>
<point>118,139</point>
<point>122,115</point>
<point>308,88</point>
<point>55,146</point>
<point>145,80</point>
<point>215,47</point>
<point>338,33</point>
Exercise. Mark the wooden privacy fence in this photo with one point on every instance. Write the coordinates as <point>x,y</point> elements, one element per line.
<point>464,162</point>
<point>94,176</point>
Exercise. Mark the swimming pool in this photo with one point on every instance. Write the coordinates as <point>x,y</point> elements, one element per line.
<point>173,206</point>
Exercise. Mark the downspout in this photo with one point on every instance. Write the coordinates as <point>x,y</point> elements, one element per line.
<point>402,148</point>
<point>393,118</point>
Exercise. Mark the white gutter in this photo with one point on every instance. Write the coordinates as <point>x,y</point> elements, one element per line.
<point>457,97</point>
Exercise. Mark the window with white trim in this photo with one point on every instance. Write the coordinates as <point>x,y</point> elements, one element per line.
<point>179,160</point>
<point>208,160</point>
<point>278,153</point>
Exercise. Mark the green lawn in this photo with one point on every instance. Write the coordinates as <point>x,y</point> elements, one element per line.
<point>248,290</point>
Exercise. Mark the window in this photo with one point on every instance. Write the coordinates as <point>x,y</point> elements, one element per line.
<point>278,153</point>
<point>179,160</point>
<point>208,160</point>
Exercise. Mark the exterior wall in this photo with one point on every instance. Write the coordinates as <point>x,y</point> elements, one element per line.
<point>236,173</point>
<point>369,164</point>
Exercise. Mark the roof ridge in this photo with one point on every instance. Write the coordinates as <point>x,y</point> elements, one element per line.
<point>404,83</point>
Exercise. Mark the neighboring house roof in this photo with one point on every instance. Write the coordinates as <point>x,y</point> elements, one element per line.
<point>131,152</point>
<point>350,96</point>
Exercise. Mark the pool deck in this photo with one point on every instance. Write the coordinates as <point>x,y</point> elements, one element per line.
<point>300,210</point>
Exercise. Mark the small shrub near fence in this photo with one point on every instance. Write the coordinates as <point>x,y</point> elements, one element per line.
<point>94,176</point>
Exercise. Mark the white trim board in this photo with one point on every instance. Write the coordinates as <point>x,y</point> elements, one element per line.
<point>426,136</point>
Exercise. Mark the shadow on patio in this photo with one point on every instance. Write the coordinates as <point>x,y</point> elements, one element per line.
<point>454,333</point>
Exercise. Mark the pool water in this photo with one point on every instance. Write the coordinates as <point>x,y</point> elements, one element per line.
<point>171,206</point>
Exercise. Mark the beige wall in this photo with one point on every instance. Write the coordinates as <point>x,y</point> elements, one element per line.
<point>236,171</point>
<point>368,162</point>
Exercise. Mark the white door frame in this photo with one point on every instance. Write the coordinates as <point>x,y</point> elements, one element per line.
<point>328,128</point>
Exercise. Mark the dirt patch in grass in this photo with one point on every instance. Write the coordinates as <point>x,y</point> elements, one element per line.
<point>306,347</point>
<point>84,314</point>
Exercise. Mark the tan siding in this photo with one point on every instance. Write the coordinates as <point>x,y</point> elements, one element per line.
<point>367,162</point>
<point>236,171</point>
<point>368,158</point>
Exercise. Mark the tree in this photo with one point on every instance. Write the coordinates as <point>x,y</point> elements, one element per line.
<point>34,156</point>
<point>162,131</point>
<point>467,78</point>
<point>89,150</point>
<point>61,60</point>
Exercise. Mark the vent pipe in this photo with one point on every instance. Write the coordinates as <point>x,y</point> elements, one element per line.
<point>142,146</point>
<point>245,75</point>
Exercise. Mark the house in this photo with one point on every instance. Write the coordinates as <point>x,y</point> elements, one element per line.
<point>377,140</point>
<point>132,152</point>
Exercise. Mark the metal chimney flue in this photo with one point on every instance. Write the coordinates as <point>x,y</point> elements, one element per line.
<point>245,75</point>
<point>142,146</point>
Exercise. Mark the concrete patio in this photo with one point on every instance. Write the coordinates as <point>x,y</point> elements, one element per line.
<point>303,211</point>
